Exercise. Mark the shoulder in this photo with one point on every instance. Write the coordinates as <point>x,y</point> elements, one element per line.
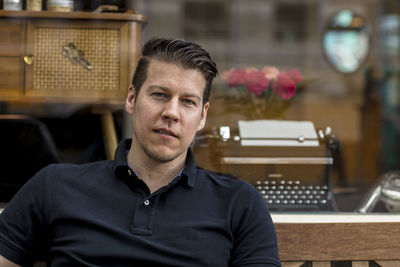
<point>226,182</point>
<point>221,178</point>
<point>61,173</point>
<point>55,183</point>
<point>242,195</point>
<point>77,167</point>
<point>65,169</point>
<point>245,205</point>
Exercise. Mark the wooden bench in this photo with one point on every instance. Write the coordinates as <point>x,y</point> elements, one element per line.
<point>319,239</point>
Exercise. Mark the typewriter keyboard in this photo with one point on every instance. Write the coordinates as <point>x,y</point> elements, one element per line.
<point>292,195</point>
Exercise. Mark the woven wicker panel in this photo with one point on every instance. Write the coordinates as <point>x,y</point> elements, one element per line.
<point>53,71</point>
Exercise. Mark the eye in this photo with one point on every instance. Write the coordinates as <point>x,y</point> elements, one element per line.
<point>159,95</point>
<point>189,102</point>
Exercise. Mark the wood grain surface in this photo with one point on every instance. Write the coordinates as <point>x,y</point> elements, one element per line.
<point>338,241</point>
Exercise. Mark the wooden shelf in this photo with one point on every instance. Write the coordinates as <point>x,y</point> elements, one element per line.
<point>73,15</point>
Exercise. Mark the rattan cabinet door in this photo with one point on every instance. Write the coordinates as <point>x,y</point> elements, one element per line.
<point>77,60</point>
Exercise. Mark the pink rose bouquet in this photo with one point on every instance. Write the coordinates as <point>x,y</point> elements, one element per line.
<point>269,89</point>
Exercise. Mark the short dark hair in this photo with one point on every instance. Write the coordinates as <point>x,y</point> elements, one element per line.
<point>187,54</point>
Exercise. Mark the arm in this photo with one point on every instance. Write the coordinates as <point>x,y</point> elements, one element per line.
<point>255,242</point>
<point>6,263</point>
<point>21,225</point>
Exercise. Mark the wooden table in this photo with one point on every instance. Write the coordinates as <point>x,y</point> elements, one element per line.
<point>322,238</point>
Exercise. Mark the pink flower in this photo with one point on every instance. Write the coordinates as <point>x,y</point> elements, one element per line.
<point>250,69</point>
<point>256,82</point>
<point>295,75</point>
<point>226,73</point>
<point>235,77</point>
<point>284,86</point>
<point>270,72</point>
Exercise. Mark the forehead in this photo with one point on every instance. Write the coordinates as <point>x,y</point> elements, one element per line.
<point>174,75</point>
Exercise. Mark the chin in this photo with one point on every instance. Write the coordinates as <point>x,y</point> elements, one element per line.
<point>162,156</point>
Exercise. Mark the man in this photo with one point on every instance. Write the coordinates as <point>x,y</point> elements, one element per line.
<point>150,206</point>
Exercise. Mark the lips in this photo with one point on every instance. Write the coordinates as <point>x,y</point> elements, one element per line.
<point>166,132</point>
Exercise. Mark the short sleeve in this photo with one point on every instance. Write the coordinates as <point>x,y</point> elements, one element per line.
<point>255,242</point>
<point>22,223</point>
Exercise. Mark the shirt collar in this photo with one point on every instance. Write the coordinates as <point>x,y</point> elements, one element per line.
<point>190,170</point>
<point>123,171</point>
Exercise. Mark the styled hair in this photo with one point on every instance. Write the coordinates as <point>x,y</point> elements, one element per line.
<point>184,53</point>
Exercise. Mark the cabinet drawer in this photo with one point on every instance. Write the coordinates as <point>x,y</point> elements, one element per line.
<point>12,41</point>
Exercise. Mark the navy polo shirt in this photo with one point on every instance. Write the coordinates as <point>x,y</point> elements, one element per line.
<point>101,214</point>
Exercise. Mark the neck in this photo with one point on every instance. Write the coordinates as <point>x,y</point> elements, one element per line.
<point>153,173</point>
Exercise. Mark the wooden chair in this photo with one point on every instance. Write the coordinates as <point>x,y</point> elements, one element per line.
<point>321,239</point>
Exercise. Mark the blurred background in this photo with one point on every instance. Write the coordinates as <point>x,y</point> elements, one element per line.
<point>350,49</point>
<point>360,102</point>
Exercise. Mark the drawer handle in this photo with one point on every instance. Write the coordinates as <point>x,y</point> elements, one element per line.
<point>28,59</point>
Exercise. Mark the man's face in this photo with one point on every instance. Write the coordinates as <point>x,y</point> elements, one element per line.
<point>167,112</point>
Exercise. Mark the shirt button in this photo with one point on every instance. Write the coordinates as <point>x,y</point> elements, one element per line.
<point>129,173</point>
<point>146,202</point>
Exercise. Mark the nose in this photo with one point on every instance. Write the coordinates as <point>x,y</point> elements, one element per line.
<point>171,111</point>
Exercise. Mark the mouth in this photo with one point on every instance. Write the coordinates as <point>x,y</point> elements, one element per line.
<point>166,132</point>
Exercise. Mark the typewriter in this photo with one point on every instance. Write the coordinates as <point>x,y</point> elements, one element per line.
<point>293,195</point>
<point>288,162</point>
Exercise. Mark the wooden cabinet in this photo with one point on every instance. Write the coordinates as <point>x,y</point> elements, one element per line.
<point>67,56</point>
<point>70,57</point>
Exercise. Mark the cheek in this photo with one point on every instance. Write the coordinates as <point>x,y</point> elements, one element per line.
<point>140,119</point>
<point>192,124</point>
<point>144,111</point>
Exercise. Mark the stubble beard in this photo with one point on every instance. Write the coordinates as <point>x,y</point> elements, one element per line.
<point>154,155</point>
<point>157,157</point>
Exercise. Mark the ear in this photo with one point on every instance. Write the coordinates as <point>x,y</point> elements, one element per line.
<point>203,116</point>
<point>130,100</point>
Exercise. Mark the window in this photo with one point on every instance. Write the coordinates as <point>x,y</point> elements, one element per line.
<point>205,19</point>
<point>291,22</point>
